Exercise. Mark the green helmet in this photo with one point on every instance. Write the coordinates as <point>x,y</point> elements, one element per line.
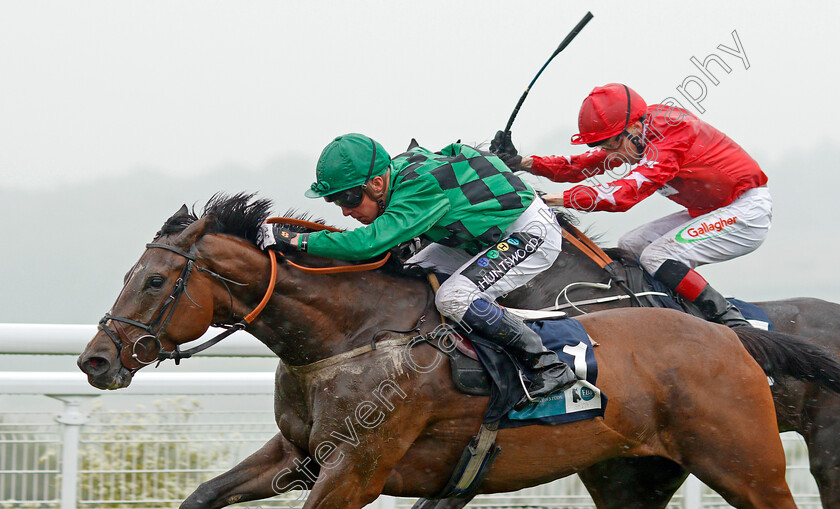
<point>348,161</point>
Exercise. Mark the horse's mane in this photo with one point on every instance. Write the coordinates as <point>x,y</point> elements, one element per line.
<point>242,215</point>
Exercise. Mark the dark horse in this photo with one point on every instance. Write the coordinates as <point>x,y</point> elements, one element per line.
<point>356,421</point>
<point>801,406</point>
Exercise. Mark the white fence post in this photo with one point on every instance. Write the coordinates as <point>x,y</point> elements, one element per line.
<point>71,419</point>
<point>693,493</point>
<point>384,502</point>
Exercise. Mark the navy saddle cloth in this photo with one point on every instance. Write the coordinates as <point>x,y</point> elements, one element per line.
<point>567,337</point>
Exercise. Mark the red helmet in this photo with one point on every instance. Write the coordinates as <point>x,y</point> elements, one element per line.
<point>607,111</point>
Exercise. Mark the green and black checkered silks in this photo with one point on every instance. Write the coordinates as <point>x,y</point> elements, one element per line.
<point>457,197</point>
<point>486,197</point>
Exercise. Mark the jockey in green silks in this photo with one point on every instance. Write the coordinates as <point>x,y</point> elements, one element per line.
<point>487,228</point>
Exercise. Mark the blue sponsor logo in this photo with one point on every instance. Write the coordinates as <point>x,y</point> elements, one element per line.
<point>513,241</point>
<point>482,262</point>
<point>586,393</point>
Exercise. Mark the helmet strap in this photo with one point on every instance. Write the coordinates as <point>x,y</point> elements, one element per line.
<point>372,164</point>
<point>634,138</point>
<point>377,197</point>
<point>627,119</point>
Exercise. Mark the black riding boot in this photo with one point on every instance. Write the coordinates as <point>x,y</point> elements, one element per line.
<point>717,309</point>
<point>684,281</point>
<point>548,373</point>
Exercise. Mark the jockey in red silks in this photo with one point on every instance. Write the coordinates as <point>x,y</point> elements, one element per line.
<point>668,150</point>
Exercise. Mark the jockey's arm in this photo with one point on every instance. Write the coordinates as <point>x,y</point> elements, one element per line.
<point>570,168</point>
<point>622,194</point>
<point>413,208</point>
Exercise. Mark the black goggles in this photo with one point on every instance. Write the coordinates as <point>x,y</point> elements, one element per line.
<point>349,198</point>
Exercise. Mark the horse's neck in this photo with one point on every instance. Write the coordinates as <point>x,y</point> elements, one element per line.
<point>311,317</point>
<point>342,312</point>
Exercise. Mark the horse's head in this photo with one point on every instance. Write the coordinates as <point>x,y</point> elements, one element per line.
<point>203,271</point>
<point>167,299</point>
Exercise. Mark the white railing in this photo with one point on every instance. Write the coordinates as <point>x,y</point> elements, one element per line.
<point>54,339</point>
<point>74,439</point>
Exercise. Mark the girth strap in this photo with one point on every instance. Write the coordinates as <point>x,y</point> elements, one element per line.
<point>474,464</point>
<point>305,369</point>
<point>435,284</point>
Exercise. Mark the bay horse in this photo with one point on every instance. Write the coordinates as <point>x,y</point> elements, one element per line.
<point>357,421</point>
<point>801,406</point>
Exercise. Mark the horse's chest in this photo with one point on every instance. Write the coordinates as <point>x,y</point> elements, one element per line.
<point>294,429</point>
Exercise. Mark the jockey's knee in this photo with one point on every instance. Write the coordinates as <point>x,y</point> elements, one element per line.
<point>654,256</point>
<point>633,244</point>
<point>453,299</point>
<point>652,259</point>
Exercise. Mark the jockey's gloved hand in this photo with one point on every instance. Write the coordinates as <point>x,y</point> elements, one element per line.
<point>409,248</point>
<point>277,237</point>
<point>502,147</point>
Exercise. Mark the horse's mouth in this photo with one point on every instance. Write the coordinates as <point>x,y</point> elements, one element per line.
<point>120,380</point>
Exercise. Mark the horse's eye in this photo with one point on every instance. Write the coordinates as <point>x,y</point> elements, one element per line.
<point>155,281</point>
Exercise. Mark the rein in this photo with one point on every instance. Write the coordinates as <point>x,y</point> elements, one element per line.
<point>324,270</point>
<point>142,347</point>
<point>586,245</point>
<point>597,255</point>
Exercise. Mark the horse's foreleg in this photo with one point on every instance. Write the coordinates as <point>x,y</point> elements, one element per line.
<point>351,485</point>
<point>275,468</point>
<point>357,463</point>
<point>355,475</point>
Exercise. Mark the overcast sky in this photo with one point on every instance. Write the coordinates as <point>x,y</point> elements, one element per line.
<point>109,87</point>
<point>166,91</point>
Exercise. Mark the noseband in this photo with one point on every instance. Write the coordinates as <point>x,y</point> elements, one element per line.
<point>151,340</point>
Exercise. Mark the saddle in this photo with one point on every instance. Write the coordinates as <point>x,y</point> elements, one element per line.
<point>481,368</point>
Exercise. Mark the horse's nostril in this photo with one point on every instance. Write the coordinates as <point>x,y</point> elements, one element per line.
<point>95,366</point>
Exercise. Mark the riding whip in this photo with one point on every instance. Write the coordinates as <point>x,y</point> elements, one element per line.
<point>582,23</point>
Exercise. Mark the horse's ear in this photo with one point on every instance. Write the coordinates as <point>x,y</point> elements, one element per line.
<point>182,213</point>
<point>194,232</point>
<point>412,144</point>
<point>176,222</point>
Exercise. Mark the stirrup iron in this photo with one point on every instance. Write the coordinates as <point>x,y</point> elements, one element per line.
<point>525,388</point>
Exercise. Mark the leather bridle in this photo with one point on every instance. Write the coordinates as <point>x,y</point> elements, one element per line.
<point>150,342</point>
